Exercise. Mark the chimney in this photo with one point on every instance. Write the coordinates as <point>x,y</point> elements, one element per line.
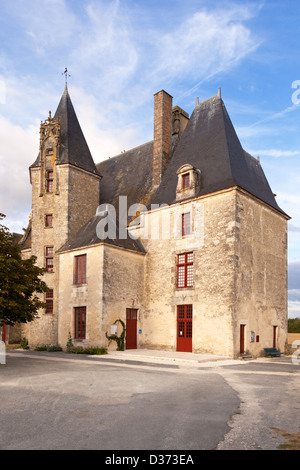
<point>162,145</point>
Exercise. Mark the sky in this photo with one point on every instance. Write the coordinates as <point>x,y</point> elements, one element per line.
<point>120,52</point>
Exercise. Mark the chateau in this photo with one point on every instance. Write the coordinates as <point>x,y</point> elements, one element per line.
<point>181,238</point>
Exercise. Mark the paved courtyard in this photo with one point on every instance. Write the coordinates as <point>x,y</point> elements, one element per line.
<point>128,402</point>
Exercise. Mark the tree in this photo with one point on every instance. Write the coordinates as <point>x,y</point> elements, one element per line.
<point>20,282</point>
<point>294,325</point>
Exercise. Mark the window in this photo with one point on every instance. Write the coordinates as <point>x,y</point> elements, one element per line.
<point>49,181</point>
<point>186,224</point>
<point>49,220</point>
<point>49,251</point>
<point>185,270</point>
<point>80,269</point>
<point>185,181</point>
<point>49,301</point>
<point>80,322</point>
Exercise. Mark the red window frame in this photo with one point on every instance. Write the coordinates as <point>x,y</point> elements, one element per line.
<point>49,301</point>
<point>80,322</point>
<point>50,181</point>
<point>186,223</point>
<point>80,269</point>
<point>49,252</point>
<point>49,220</point>
<point>185,181</point>
<point>185,270</point>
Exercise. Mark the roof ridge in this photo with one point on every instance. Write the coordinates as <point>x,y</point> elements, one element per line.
<point>124,152</point>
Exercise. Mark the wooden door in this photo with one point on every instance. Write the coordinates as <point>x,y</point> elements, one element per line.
<point>242,339</point>
<point>184,328</point>
<point>131,328</point>
<point>275,336</point>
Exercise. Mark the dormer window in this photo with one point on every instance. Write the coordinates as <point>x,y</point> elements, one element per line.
<point>185,181</point>
<point>188,184</point>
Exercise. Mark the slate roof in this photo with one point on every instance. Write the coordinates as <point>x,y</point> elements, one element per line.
<point>73,146</point>
<point>210,144</point>
<point>127,174</point>
<point>88,235</point>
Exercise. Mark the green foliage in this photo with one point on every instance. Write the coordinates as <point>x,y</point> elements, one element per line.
<point>19,282</point>
<point>120,340</point>
<point>69,342</point>
<point>89,350</point>
<point>54,348</point>
<point>51,348</point>
<point>41,348</point>
<point>24,343</point>
<point>294,325</point>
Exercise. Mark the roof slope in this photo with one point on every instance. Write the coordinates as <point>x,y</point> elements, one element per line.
<point>73,146</point>
<point>210,144</point>
<point>88,235</point>
<point>128,174</point>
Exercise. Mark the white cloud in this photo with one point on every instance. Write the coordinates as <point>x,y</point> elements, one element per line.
<point>18,151</point>
<point>293,228</point>
<point>205,44</point>
<point>277,153</point>
<point>294,309</point>
<point>115,68</point>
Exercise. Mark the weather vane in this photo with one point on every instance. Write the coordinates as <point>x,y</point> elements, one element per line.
<point>65,73</point>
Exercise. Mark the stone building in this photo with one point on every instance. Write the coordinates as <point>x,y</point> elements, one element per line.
<point>181,238</point>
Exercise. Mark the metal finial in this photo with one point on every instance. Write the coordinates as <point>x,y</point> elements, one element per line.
<point>65,73</point>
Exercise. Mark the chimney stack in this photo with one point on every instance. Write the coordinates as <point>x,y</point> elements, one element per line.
<point>162,145</point>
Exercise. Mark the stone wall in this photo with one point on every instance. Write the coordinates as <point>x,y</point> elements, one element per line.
<point>72,203</point>
<point>114,282</point>
<point>261,274</point>
<point>212,294</point>
<point>240,275</point>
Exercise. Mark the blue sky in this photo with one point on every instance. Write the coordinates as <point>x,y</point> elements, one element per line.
<point>119,53</point>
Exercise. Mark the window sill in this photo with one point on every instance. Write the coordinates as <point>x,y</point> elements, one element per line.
<point>185,288</point>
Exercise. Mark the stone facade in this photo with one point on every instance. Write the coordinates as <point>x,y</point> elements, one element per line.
<point>202,269</point>
<point>104,294</point>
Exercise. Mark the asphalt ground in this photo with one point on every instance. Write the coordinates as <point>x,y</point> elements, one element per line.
<point>146,402</point>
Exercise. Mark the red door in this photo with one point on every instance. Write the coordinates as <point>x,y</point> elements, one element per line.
<point>242,339</point>
<point>131,326</point>
<point>184,328</point>
<point>274,336</point>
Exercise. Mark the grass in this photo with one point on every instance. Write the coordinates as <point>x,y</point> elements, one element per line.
<point>293,440</point>
<point>90,351</point>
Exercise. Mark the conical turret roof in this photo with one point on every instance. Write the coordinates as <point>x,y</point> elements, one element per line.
<point>73,146</point>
